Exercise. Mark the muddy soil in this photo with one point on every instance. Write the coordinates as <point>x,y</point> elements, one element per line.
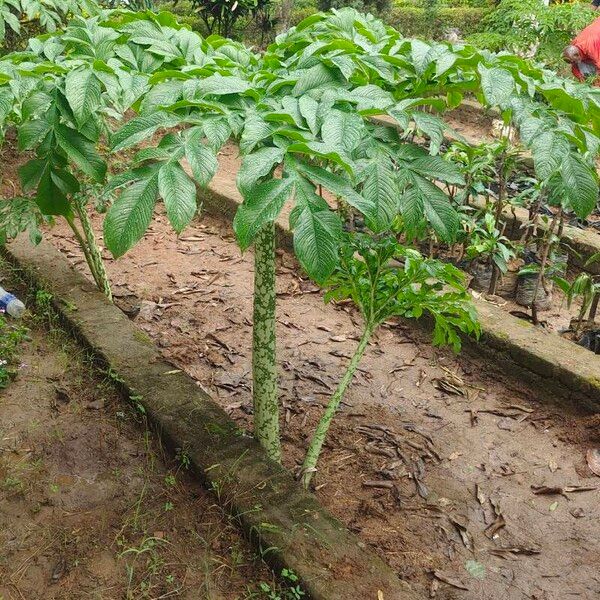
<point>90,504</point>
<point>446,465</point>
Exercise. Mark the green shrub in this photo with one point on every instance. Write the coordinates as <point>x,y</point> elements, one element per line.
<point>194,22</point>
<point>299,14</point>
<point>532,28</point>
<point>378,7</point>
<point>469,3</point>
<point>494,42</point>
<point>417,22</point>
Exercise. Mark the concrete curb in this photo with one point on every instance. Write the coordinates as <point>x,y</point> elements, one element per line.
<point>559,365</point>
<point>288,524</point>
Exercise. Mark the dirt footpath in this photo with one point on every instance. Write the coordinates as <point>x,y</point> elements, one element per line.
<point>90,505</point>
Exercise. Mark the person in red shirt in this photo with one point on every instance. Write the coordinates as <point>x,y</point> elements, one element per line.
<point>583,54</point>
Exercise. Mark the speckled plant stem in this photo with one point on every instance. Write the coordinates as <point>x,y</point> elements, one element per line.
<point>264,366</point>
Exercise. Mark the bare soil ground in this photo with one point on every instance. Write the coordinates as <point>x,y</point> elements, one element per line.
<point>469,483</point>
<point>90,505</point>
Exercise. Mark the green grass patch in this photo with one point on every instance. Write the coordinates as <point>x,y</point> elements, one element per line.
<point>11,337</point>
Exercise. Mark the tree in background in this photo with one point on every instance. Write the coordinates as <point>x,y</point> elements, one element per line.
<point>221,16</point>
<point>377,7</point>
<point>534,29</point>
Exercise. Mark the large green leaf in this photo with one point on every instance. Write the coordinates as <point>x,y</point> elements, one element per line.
<point>580,184</point>
<point>317,232</point>
<point>31,172</point>
<point>497,85</point>
<point>31,133</point>
<point>51,199</point>
<point>435,167</point>
<point>80,151</point>
<point>179,194</point>
<point>82,90</point>
<point>258,164</point>
<point>433,127</point>
<point>380,188</point>
<point>340,186</point>
<point>129,217</point>
<point>317,76</point>
<point>203,161</point>
<point>141,128</point>
<point>161,95</point>
<point>342,130</point>
<point>424,200</point>
<point>218,85</point>
<point>255,131</point>
<point>548,150</point>
<point>308,109</point>
<point>262,204</point>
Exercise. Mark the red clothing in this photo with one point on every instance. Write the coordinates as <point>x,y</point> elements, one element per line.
<point>588,42</point>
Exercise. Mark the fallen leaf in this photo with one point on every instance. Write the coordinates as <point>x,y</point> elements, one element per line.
<point>450,580</point>
<point>572,489</point>
<point>577,512</point>
<point>553,506</point>
<point>379,595</point>
<point>449,387</point>
<point>465,536</point>
<point>338,338</point>
<point>593,460</point>
<point>481,498</point>
<point>59,569</point>
<point>557,490</point>
<point>553,466</point>
<point>544,490</point>
<point>379,484</point>
<point>525,550</point>
<point>499,523</point>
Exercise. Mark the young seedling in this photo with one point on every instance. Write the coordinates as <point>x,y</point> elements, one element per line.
<point>587,287</point>
<point>385,279</point>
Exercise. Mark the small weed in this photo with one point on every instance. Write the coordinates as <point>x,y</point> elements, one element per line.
<point>289,590</point>
<point>43,303</point>
<point>13,484</point>
<point>137,403</point>
<point>11,337</point>
<point>170,480</point>
<point>168,506</point>
<point>183,457</point>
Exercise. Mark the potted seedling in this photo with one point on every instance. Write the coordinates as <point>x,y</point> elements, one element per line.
<point>585,287</point>
<point>491,252</point>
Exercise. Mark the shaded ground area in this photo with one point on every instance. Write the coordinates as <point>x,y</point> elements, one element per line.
<point>446,465</point>
<point>90,504</point>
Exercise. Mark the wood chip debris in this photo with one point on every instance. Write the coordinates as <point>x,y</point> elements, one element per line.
<point>544,490</point>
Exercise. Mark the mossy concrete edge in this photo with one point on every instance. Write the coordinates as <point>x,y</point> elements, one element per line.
<point>286,523</point>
